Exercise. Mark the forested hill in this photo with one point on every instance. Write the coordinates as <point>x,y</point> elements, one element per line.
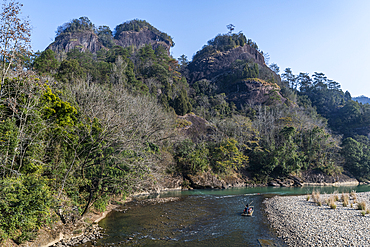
<point>362,99</point>
<point>102,114</point>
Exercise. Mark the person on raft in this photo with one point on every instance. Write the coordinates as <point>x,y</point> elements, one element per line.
<point>247,209</point>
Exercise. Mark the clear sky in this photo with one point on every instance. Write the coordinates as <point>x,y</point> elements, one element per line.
<point>329,36</point>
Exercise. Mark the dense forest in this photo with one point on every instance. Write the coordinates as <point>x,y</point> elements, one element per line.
<point>79,131</point>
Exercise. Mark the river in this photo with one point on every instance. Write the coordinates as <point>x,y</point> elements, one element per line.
<point>201,218</point>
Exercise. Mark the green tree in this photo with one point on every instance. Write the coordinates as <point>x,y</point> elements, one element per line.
<point>290,78</point>
<point>183,60</point>
<point>70,70</point>
<point>80,24</point>
<point>227,157</point>
<point>46,62</point>
<point>356,155</point>
<point>105,36</point>
<point>181,103</point>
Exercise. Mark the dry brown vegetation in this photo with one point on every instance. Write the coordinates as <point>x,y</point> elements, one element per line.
<point>331,202</point>
<point>361,205</point>
<point>345,199</point>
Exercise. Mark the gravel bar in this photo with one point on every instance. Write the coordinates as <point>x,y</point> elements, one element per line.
<point>303,223</point>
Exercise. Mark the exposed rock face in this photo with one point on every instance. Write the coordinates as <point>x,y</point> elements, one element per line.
<point>83,40</point>
<point>224,71</point>
<point>89,41</point>
<point>317,178</point>
<point>205,181</point>
<point>141,38</point>
<point>208,181</point>
<point>255,92</point>
<point>210,67</point>
<point>291,181</point>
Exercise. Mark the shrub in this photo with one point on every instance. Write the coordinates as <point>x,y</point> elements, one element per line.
<point>316,196</point>
<point>363,213</point>
<point>353,195</point>
<point>336,198</point>
<point>361,205</point>
<point>331,202</point>
<point>24,206</point>
<point>345,199</point>
<point>308,197</point>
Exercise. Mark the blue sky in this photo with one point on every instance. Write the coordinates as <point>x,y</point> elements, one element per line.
<point>328,36</point>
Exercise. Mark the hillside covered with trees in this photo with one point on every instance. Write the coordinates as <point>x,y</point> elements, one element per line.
<point>105,114</point>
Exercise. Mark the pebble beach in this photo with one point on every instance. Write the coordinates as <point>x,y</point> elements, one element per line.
<point>304,223</point>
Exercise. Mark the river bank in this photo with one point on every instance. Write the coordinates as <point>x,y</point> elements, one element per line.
<point>85,229</point>
<point>303,223</point>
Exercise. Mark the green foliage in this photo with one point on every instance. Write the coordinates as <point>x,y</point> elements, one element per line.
<point>227,156</point>
<point>105,36</point>
<point>69,71</point>
<point>9,137</point>
<point>223,42</point>
<point>25,203</point>
<point>80,24</point>
<point>101,203</point>
<point>46,62</point>
<point>344,116</point>
<point>62,111</point>
<point>138,25</point>
<point>181,104</point>
<point>357,156</point>
<point>191,158</point>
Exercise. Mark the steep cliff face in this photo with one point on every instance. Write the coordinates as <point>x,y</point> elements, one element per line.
<point>141,38</point>
<point>240,73</point>
<point>254,91</point>
<point>221,62</point>
<point>83,40</point>
<point>89,41</point>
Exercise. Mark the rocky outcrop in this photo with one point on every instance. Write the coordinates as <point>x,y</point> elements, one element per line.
<point>318,178</point>
<point>291,181</point>
<point>89,41</point>
<point>254,91</point>
<point>210,67</point>
<point>207,180</point>
<point>315,178</point>
<point>141,38</point>
<point>83,40</point>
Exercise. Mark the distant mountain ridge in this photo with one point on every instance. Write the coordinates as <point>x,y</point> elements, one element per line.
<point>362,99</point>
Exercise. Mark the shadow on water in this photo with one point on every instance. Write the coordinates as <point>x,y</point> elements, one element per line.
<point>200,218</point>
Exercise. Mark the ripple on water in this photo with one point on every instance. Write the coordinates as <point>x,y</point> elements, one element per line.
<point>199,220</point>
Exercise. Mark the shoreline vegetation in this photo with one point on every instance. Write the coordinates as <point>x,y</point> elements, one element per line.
<point>86,229</point>
<point>321,220</point>
<point>95,117</point>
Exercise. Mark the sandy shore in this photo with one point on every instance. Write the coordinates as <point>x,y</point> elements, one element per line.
<point>303,223</point>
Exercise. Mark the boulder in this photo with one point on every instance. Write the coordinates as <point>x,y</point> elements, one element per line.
<point>205,181</point>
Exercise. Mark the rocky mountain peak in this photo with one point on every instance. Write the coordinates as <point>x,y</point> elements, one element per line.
<point>82,34</point>
<point>85,40</point>
<point>141,38</point>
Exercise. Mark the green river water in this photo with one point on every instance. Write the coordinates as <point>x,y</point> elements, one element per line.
<point>201,218</point>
